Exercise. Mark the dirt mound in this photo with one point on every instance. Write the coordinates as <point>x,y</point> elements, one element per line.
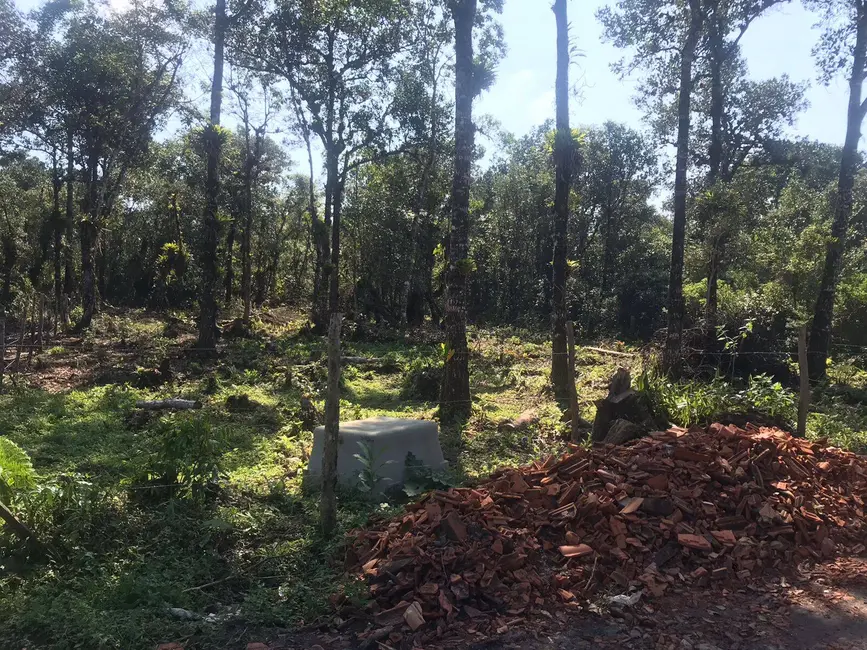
<point>677,507</point>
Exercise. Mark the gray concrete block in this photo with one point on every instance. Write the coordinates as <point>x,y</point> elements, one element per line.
<point>390,439</point>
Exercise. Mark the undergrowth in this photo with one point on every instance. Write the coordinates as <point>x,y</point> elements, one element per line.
<point>150,515</point>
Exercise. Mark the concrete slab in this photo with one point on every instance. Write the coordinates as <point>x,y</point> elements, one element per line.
<point>390,439</point>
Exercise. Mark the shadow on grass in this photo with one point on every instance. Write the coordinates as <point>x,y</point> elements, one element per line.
<point>253,562</point>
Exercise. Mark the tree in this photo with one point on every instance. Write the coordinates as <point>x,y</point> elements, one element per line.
<point>114,78</point>
<point>665,36</point>
<point>752,124</point>
<point>423,111</point>
<point>728,142</point>
<point>340,60</point>
<point>843,45</point>
<point>563,165</point>
<point>253,163</point>
<point>455,393</point>
<point>212,138</point>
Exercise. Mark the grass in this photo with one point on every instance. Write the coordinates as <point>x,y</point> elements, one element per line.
<point>246,558</point>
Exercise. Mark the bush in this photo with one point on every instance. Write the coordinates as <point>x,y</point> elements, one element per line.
<point>188,463</point>
<point>697,402</point>
<point>422,380</point>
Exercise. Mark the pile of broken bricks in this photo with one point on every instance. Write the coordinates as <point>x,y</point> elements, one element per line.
<point>685,507</point>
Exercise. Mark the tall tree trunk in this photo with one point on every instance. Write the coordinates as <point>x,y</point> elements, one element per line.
<point>250,173</point>
<point>211,224</point>
<point>89,234</point>
<point>57,219</point>
<point>421,193</point>
<point>69,271</point>
<point>715,36</point>
<point>674,336</point>
<point>332,155</point>
<point>455,393</point>
<point>101,268</point>
<point>563,164</point>
<point>823,315</point>
<point>328,499</point>
<point>328,507</point>
<point>246,234</point>
<point>318,230</point>
<point>230,268</point>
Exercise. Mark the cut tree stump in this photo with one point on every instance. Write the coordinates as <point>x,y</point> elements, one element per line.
<point>623,403</point>
<point>622,431</point>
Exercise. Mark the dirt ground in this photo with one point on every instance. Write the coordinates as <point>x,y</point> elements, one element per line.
<point>822,607</point>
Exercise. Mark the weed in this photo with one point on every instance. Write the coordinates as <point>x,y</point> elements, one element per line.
<point>189,458</point>
<point>16,470</point>
<point>692,402</point>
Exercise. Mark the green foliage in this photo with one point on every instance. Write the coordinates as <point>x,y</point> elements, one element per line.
<point>189,458</point>
<point>16,470</point>
<point>422,378</point>
<point>696,402</point>
<point>419,478</point>
<point>370,475</point>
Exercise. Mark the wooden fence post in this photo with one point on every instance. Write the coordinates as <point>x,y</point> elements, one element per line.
<point>803,371</point>
<point>328,501</point>
<point>573,391</point>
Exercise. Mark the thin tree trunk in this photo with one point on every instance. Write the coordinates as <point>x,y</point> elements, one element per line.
<point>2,347</point>
<point>88,242</point>
<point>455,394</point>
<point>57,218</point>
<point>210,272</point>
<point>34,316</point>
<point>247,235</point>
<point>674,336</point>
<point>823,315</point>
<point>69,271</point>
<point>22,329</point>
<point>563,164</point>
<point>328,500</point>
<point>230,268</point>
<point>333,203</point>
<point>421,193</point>
<point>717,108</point>
<point>246,266</point>
<point>40,341</point>
<point>318,230</point>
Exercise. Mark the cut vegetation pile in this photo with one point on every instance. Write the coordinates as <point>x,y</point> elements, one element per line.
<point>676,507</point>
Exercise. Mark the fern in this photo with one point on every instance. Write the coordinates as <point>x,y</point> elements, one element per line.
<point>16,471</point>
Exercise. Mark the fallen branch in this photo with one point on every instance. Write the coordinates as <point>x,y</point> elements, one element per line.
<point>17,527</point>
<point>615,353</point>
<point>163,404</point>
<point>527,418</point>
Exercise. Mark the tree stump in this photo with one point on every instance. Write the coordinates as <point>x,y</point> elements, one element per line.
<point>623,406</point>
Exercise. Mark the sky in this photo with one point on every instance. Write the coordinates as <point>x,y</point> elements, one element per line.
<point>522,97</point>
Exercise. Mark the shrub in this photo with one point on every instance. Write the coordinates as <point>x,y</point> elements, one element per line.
<point>188,462</point>
<point>422,380</point>
<point>693,402</point>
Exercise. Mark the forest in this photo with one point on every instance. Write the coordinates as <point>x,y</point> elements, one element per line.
<point>226,224</point>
